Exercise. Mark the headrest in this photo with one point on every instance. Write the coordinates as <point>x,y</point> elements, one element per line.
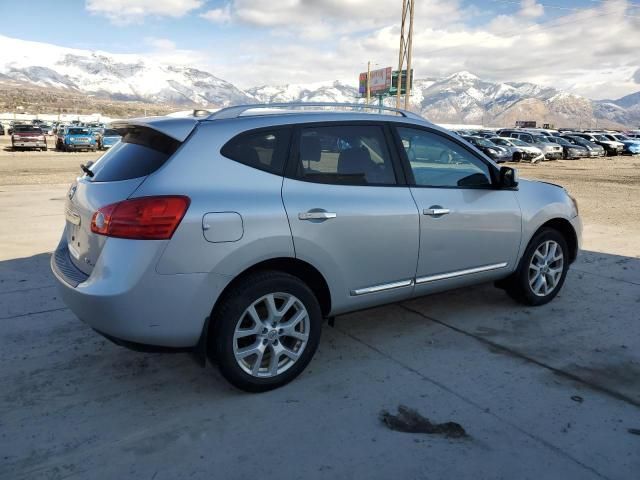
<point>310,149</point>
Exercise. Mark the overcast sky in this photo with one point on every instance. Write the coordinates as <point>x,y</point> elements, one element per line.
<point>589,47</point>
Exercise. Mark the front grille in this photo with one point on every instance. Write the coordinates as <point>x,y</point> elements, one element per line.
<point>63,266</point>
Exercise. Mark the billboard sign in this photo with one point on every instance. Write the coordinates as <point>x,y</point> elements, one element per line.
<point>380,82</point>
<point>394,84</point>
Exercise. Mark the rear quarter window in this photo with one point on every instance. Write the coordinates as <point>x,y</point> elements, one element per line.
<point>140,152</point>
<point>262,149</point>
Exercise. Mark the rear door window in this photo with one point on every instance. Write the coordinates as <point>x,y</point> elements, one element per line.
<point>141,152</point>
<point>345,155</point>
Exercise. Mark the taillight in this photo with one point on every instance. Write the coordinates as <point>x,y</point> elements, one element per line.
<point>146,218</point>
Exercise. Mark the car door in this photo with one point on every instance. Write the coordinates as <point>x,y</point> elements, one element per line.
<point>470,230</point>
<point>351,213</point>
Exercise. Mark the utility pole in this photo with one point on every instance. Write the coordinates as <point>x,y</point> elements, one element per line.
<point>368,82</point>
<point>406,44</point>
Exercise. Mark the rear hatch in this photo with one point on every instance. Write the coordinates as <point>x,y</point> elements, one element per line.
<point>30,134</point>
<point>116,175</point>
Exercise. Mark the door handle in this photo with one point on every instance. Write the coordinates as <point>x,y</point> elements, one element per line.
<point>317,215</point>
<point>436,212</point>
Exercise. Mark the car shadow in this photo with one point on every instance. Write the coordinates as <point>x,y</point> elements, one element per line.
<point>590,331</point>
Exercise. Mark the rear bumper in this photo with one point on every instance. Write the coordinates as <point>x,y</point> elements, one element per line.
<point>553,155</point>
<point>19,144</point>
<point>126,299</point>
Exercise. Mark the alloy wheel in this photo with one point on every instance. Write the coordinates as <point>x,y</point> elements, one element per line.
<point>545,268</point>
<point>271,335</point>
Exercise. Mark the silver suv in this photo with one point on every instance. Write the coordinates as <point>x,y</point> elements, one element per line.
<point>234,234</point>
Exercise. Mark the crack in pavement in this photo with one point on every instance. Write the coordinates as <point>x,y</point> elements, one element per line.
<point>522,356</point>
<point>34,313</point>
<point>471,402</point>
<point>20,290</point>
<point>604,276</point>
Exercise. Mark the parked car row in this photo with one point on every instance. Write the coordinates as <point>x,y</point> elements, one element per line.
<point>67,137</point>
<point>528,144</point>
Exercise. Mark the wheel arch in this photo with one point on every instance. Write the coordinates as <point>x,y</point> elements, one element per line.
<point>293,266</point>
<point>565,228</point>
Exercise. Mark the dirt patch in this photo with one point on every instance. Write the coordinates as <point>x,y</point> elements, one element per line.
<point>410,421</point>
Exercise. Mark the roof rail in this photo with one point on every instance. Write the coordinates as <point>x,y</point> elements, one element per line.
<point>238,110</point>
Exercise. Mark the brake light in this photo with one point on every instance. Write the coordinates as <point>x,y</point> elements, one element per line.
<point>146,218</point>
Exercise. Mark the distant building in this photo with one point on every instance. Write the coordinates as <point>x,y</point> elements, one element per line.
<point>526,123</point>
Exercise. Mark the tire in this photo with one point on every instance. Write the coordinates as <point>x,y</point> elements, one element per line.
<point>232,314</point>
<point>520,286</point>
<point>517,157</point>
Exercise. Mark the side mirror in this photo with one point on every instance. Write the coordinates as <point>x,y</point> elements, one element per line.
<point>508,177</point>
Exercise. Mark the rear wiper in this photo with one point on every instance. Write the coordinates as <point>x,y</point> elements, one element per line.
<point>85,169</point>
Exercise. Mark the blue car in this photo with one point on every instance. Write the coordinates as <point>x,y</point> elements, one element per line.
<point>109,138</point>
<point>78,138</point>
<point>631,145</point>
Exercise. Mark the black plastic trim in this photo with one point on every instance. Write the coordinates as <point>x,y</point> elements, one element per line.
<point>64,267</point>
<point>144,347</point>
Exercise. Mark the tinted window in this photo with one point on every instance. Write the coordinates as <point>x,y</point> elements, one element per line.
<point>111,133</point>
<point>345,154</point>
<point>265,149</point>
<point>78,131</point>
<point>26,129</point>
<point>437,161</point>
<point>140,152</point>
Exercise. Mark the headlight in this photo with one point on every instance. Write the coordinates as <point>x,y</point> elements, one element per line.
<point>492,150</point>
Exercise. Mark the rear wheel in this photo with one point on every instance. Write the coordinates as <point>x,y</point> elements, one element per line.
<point>266,331</point>
<point>517,157</point>
<point>542,270</point>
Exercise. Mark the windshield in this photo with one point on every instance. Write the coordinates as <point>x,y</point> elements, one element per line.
<point>558,140</point>
<point>483,142</point>
<point>602,138</point>
<point>110,132</point>
<point>78,131</point>
<point>500,141</point>
<point>519,143</point>
<point>539,139</point>
<point>621,137</point>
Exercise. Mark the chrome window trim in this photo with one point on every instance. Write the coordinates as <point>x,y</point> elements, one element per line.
<point>460,273</point>
<point>382,287</point>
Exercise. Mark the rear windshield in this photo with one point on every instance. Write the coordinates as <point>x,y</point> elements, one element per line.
<point>26,129</point>
<point>141,152</point>
<point>111,133</point>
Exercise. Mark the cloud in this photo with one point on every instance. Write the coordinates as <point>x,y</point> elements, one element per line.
<point>160,43</point>
<point>530,8</point>
<point>636,76</point>
<point>592,51</point>
<point>122,12</point>
<point>218,15</point>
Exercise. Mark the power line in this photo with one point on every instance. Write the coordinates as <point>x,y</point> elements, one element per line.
<point>559,7</point>
<point>636,5</point>
<point>533,28</point>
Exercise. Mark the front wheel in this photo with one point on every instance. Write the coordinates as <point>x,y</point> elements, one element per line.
<point>542,270</point>
<point>266,331</point>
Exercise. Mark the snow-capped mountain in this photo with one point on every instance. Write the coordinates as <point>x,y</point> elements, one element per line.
<point>312,92</point>
<point>458,98</point>
<point>117,76</point>
<point>465,98</point>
